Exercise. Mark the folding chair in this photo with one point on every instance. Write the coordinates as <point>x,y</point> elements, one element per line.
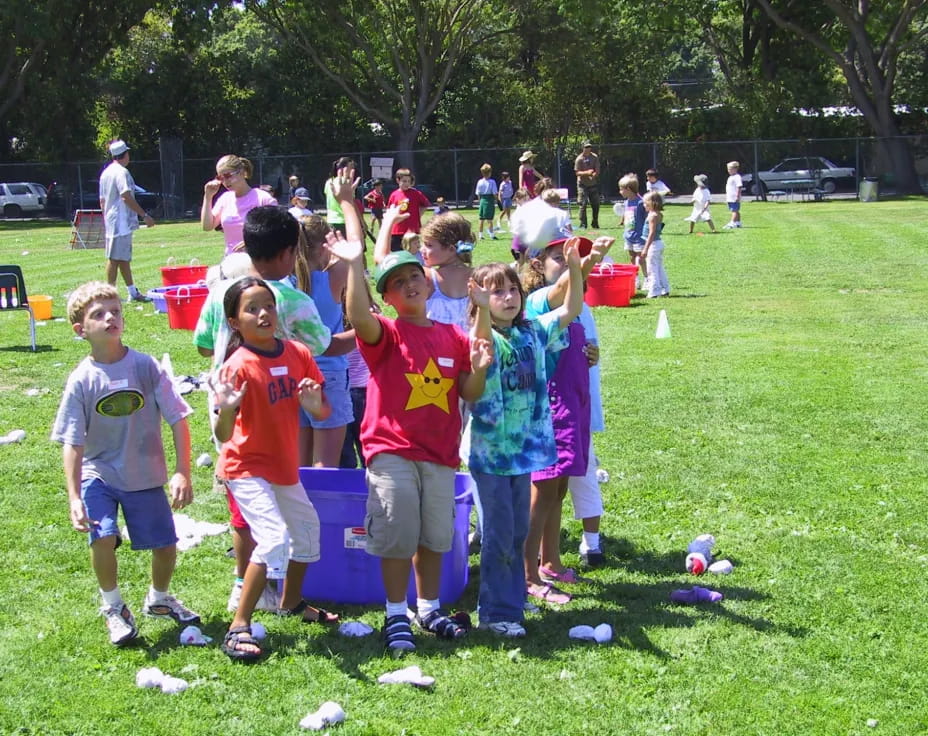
<point>13,295</point>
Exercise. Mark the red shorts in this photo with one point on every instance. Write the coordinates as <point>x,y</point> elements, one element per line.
<point>237,520</point>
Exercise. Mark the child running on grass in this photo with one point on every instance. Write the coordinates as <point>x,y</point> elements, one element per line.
<point>410,433</point>
<point>702,199</point>
<point>109,425</point>
<point>545,276</point>
<point>259,391</point>
<point>511,432</point>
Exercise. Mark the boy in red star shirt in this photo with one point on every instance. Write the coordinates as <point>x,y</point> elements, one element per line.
<point>420,369</point>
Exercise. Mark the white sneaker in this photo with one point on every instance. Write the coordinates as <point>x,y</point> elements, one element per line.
<point>235,596</point>
<point>269,600</point>
<point>121,624</point>
<point>738,224</point>
<point>511,629</point>
<point>729,226</point>
<point>169,607</point>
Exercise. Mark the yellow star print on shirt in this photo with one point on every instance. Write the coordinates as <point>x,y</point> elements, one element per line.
<point>429,387</point>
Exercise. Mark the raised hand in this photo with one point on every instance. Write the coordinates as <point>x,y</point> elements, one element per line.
<point>478,294</point>
<point>222,383</point>
<point>211,187</point>
<point>311,396</point>
<point>343,184</point>
<point>345,250</point>
<point>600,248</point>
<point>393,214</point>
<point>572,251</point>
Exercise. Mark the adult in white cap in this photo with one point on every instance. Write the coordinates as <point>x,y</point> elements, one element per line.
<point>120,217</point>
<point>586,167</point>
<point>528,174</point>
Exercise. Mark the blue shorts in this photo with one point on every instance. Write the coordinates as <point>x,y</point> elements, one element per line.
<point>336,391</point>
<point>147,513</point>
<point>507,203</point>
<point>734,206</point>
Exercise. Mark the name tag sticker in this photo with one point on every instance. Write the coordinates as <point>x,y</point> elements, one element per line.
<point>446,362</point>
<point>116,385</point>
<point>279,370</point>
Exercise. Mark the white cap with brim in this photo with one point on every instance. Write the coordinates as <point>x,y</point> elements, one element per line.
<point>118,148</point>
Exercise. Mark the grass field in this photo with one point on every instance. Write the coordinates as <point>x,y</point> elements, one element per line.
<point>786,415</point>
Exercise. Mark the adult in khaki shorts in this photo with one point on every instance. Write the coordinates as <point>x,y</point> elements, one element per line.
<point>411,430</point>
<point>120,218</point>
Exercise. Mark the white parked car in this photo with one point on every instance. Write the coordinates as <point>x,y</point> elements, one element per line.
<point>803,172</point>
<point>20,197</point>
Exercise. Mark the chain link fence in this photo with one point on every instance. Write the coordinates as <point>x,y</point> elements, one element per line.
<point>172,186</point>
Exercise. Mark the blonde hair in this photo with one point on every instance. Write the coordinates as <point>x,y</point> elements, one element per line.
<point>411,239</point>
<point>451,230</point>
<point>231,162</point>
<point>551,196</point>
<point>313,230</point>
<point>630,182</point>
<point>400,173</point>
<point>486,169</point>
<point>84,295</point>
<point>521,195</point>
<point>732,165</point>
<point>656,200</point>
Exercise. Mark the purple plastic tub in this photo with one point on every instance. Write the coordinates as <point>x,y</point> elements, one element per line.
<point>346,573</point>
<point>157,295</point>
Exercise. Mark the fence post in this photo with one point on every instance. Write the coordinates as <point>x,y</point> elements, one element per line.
<point>457,197</point>
<point>654,156</point>
<point>758,194</point>
<point>558,153</point>
<point>857,165</point>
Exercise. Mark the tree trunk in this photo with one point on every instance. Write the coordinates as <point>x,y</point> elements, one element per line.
<point>406,139</point>
<point>899,157</point>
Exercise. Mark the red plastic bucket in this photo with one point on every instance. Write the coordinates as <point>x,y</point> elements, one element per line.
<point>184,306</point>
<point>610,285</point>
<point>172,275</point>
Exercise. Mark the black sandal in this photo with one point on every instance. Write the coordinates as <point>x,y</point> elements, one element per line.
<point>442,625</point>
<point>310,614</point>
<point>235,637</point>
<point>397,634</point>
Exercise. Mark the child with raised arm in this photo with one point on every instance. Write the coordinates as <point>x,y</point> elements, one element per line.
<point>258,391</point>
<point>653,252</point>
<point>109,425</point>
<point>545,276</point>
<point>410,433</point>
<point>511,430</point>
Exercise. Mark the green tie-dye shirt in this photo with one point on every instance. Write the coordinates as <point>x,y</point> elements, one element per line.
<point>511,431</point>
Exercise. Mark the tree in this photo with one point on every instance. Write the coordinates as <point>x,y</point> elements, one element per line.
<point>46,46</point>
<point>865,43</point>
<point>393,59</point>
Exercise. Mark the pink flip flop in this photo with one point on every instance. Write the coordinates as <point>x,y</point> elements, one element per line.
<point>568,575</point>
<point>549,594</point>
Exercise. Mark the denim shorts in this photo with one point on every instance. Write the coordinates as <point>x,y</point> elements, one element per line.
<point>734,206</point>
<point>336,391</point>
<point>147,513</point>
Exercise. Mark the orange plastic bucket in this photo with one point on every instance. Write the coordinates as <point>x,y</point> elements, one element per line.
<point>610,285</point>
<point>41,306</point>
<point>184,306</point>
<point>172,275</point>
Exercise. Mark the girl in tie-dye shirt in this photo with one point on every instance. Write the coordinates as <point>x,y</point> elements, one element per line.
<point>511,429</point>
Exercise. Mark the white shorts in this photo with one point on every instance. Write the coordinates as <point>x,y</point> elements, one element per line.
<point>283,522</point>
<point>119,247</point>
<point>584,491</point>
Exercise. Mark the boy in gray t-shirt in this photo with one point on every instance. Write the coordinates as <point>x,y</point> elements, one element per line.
<point>109,423</point>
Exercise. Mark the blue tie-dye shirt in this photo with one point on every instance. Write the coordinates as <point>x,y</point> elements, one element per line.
<point>511,431</point>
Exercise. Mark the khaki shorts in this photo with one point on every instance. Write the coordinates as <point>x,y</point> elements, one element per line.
<point>119,248</point>
<point>409,504</point>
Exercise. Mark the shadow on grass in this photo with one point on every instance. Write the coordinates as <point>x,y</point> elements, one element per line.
<point>28,349</point>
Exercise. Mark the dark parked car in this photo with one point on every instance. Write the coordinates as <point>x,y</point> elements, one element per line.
<point>803,172</point>
<point>62,201</point>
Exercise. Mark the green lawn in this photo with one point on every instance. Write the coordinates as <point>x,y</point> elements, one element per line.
<point>786,415</point>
